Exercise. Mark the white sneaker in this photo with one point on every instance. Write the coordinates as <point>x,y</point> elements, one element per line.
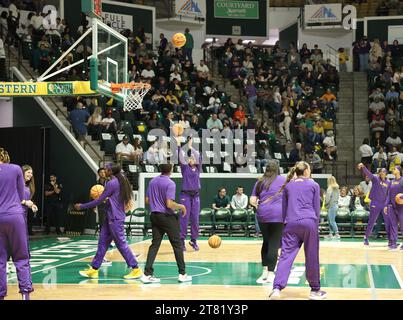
<point>317,295</point>
<point>337,236</point>
<point>266,277</point>
<point>106,263</point>
<point>149,279</point>
<point>184,278</point>
<point>275,294</point>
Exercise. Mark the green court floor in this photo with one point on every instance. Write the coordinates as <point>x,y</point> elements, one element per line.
<point>57,262</point>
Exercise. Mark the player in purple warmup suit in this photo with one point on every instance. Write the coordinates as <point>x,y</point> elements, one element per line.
<point>395,211</point>
<point>301,213</point>
<point>191,167</point>
<point>13,229</point>
<point>379,199</point>
<point>119,192</point>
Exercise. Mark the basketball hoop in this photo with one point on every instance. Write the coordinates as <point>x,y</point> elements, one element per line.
<point>133,94</point>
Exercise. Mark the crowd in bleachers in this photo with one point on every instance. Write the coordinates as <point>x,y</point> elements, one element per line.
<point>385,113</point>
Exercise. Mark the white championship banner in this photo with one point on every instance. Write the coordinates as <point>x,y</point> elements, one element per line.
<point>320,13</point>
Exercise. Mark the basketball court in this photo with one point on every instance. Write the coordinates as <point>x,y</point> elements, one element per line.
<point>348,272</point>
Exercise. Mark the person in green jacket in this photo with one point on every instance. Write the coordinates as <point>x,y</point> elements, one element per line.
<point>188,47</point>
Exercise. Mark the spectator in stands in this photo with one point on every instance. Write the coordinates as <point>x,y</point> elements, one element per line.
<point>364,49</point>
<point>3,70</point>
<point>153,122</point>
<point>163,44</point>
<point>382,9</point>
<point>284,125</point>
<point>366,152</point>
<point>295,154</point>
<point>315,161</point>
<point>329,97</point>
<point>152,155</point>
<point>392,96</point>
<point>392,121</point>
<point>343,58</point>
<point>148,73</point>
<point>78,119</point>
<point>189,45</point>
<point>357,203</point>
<point>109,123</point>
<point>94,124</point>
<point>319,132</point>
<point>138,151</point>
<point>331,205</point>
<point>393,140</point>
<point>239,199</point>
<point>356,56</point>
<point>379,160</point>
<point>124,151</point>
<point>239,115</point>
<point>366,185</point>
<point>221,200</point>
<point>251,94</point>
<point>214,123</point>
<point>168,122</point>
<point>262,156</point>
<point>203,71</point>
<point>394,159</point>
<point>344,199</point>
<point>330,145</point>
<point>376,51</point>
<point>377,125</point>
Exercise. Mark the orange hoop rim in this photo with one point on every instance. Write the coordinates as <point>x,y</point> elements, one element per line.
<point>116,87</point>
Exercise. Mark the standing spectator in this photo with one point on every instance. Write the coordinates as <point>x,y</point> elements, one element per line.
<point>343,58</point>
<point>53,204</point>
<point>163,44</point>
<point>330,145</point>
<point>364,54</point>
<point>78,119</point>
<point>189,45</point>
<point>251,93</point>
<point>295,154</point>
<point>366,152</point>
<point>284,125</point>
<point>315,161</point>
<point>239,199</point>
<point>331,204</point>
<point>356,56</point>
<point>94,124</point>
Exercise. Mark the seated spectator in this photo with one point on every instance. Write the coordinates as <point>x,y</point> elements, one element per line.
<point>153,122</point>
<point>262,156</point>
<point>377,93</point>
<point>172,102</point>
<point>124,150</point>
<point>394,159</point>
<point>221,200</point>
<point>148,73</point>
<point>377,104</point>
<point>315,161</point>
<point>213,123</point>
<point>377,125</point>
<point>109,123</point>
<point>357,203</point>
<point>344,200</point>
<point>330,145</point>
<point>295,154</point>
<point>318,131</point>
<point>152,155</point>
<point>391,121</point>
<point>203,71</point>
<point>329,97</point>
<point>138,151</point>
<point>379,160</point>
<point>393,140</point>
<point>214,103</point>
<point>239,115</point>
<point>239,199</point>
<point>366,152</point>
<point>175,75</point>
<point>183,121</point>
<point>366,185</point>
<point>168,122</point>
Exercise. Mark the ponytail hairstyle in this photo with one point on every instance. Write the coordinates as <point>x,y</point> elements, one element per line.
<point>30,183</point>
<point>271,173</point>
<point>126,193</point>
<point>300,167</point>
<point>4,157</point>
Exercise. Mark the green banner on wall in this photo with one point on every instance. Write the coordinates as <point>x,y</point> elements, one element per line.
<point>236,9</point>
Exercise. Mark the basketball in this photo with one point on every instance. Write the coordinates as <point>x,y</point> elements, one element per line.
<point>179,40</point>
<point>96,191</point>
<point>177,129</point>
<point>214,241</point>
<point>399,199</point>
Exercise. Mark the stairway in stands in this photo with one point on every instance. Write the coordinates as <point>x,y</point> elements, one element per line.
<point>56,105</point>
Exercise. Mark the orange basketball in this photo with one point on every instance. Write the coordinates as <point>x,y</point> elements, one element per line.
<point>214,241</point>
<point>177,129</point>
<point>399,199</point>
<point>96,191</point>
<point>179,40</point>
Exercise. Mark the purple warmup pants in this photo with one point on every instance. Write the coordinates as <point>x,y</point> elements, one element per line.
<point>374,212</point>
<point>192,204</point>
<point>294,235</point>
<point>13,236</point>
<point>395,216</point>
<point>113,230</point>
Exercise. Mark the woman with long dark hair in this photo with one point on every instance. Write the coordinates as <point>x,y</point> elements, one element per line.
<point>301,214</point>
<point>13,230</point>
<point>119,193</point>
<point>29,192</point>
<point>266,197</point>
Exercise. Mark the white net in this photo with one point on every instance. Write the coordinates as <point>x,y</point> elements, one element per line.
<point>133,98</point>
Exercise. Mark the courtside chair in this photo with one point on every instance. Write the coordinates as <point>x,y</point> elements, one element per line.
<point>343,220</point>
<point>251,221</point>
<point>138,219</point>
<point>359,220</point>
<point>206,220</point>
<point>222,217</point>
<point>239,217</point>
<point>323,225</point>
